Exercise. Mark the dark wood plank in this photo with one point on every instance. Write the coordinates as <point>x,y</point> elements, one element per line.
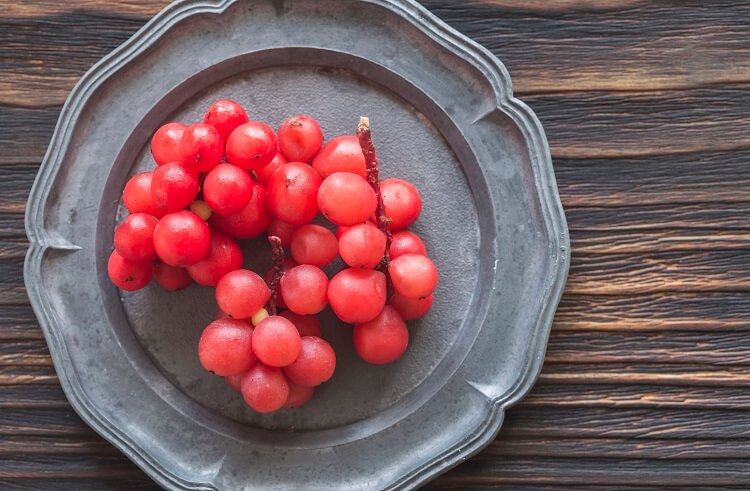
<point>139,483</point>
<point>443,483</point>
<point>651,373</point>
<point>18,322</point>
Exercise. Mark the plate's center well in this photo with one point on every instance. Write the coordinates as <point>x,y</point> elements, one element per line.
<point>169,324</point>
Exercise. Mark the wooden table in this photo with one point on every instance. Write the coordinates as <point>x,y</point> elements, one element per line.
<point>646,106</point>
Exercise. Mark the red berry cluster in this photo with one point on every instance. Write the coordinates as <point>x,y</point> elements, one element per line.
<point>228,178</point>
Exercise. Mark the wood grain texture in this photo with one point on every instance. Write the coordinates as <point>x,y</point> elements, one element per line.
<point>645,384</point>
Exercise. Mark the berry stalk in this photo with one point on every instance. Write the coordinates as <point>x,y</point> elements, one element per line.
<point>373,177</point>
<point>277,252</point>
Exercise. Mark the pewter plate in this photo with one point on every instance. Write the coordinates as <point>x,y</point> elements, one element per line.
<point>443,117</point>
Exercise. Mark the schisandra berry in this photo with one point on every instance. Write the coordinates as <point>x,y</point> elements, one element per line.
<point>134,237</point>
<point>201,209</point>
<point>265,389</point>
<point>362,246</point>
<point>281,229</point>
<point>265,173</point>
<point>401,201</point>
<point>357,295</point>
<point>225,347</point>
<point>235,381</point>
<point>137,195</point>
<point>251,146</point>
<point>165,144</point>
<point>276,342</point>
<point>411,308</point>
<point>171,278</point>
<point>413,275</point>
<point>298,395</point>
<point>314,245</point>
<point>406,242</point>
<point>346,199</point>
<point>300,138</point>
<point>174,187</point>
<point>292,193</point>
<point>182,238</point>
<point>202,147</point>
<point>382,340</point>
<point>251,221</point>
<point>225,115</point>
<point>307,325</point>
<point>128,275</point>
<point>225,256</point>
<point>341,154</point>
<point>242,293</point>
<point>304,289</point>
<point>314,364</point>
<point>227,189</point>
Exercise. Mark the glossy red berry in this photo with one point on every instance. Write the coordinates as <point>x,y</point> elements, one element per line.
<point>225,115</point>
<point>382,340</point>
<point>235,381</point>
<point>174,187</point>
<point>346,199</point>
<point>202,147</point>
<point>137,195</point>
<point>276,341</point>
<point>341,154</point>
<point>357,295</point>
<point>411,308</point>
<point>282,230</point>
<point>304,289</point>
<point>128,275</point>
<point>405,242</point>
<point>298,395</point>
<point>300,138</point>
<point>265,173</point>
<point>314,245</point>
<point>402,202</point>
<point>134,237</point>
<point>227,189</point>
<point>251,146</point>
<point>182,238</point>
<point>251,221</point>
<point>225,256</point>
<point>362,246</point>
<point>225,347</point>
<point>242,293</point>
<point>292,193</point>
<point>165,144</point>
<point>171,278</point>
<point>307,325</point>
<point>413,275</point>
<point>265,388</point>
<point>314,365</point>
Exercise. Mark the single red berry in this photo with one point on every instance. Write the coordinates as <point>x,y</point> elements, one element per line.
<point>276,342</point>
<point>304,289</point>
<point>411,308</point>
<point>249,222</point>
<point>405,242</point>
<point>227,189</point>
<point>341,154</point>
<point>225,347</point>
<point>174,187</point>
<point>314,365</point>
<point>340,231</point>
<point>357,295</point>
<point>307,325</point>
<point>413,275</point>
<point>251,146</point>
<point>182,238</point>
<point>292,193</point>
<point>300,138</point>
<point>137,195</point>
<point>225,256</point>
<point>242,293</point>
<point>298,395</point>
<point>128,275</point>
<point>265,173</point>
<point>171,278</point>
<point>202,147</point>
<point>165,144</point>
<point>235,381</point>
<point>134,238</point>
<point>225,115</point>
<point>382,340</point>
<point>401,201</point>
<point>362,246</point>
<point>282,230</point>
<point>314,245</point>
<point>346,199</point>
<point>265,388</point>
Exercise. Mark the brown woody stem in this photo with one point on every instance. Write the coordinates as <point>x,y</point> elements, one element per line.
<point>373,177</point>
<point>277,252</point>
